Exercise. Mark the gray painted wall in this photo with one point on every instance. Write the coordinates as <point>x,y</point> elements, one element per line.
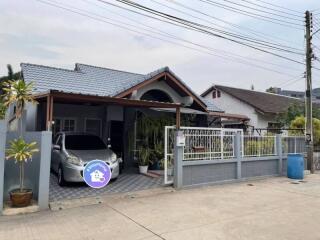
<point>32,168</point>
<point>201,172</point>
<point>3,135</point>
<point>37,171</point>
<point>208,173</point>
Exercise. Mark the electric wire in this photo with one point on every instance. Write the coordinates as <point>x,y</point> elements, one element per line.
<point>254,15</point>
<point>202,51</point>
<point>182,21</point>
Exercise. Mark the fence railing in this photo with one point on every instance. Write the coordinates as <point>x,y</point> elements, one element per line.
<point>293,144</point>
<point>257,146</point>
<point>218,143</point>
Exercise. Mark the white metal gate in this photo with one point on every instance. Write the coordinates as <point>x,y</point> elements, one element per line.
<point>201,143</point>
<point>168,154</point>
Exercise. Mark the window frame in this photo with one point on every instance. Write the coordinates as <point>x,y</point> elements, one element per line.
<point>62,120</point>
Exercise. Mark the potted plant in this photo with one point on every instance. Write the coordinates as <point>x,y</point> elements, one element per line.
<point>17,92</point>
<point>21,152</point>
<point>157,155</point>
<point>144,160</point>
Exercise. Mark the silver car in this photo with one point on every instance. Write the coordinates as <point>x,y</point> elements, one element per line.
<point>72,151</point>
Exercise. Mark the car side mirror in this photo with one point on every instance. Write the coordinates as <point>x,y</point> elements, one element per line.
<point>56,147</point>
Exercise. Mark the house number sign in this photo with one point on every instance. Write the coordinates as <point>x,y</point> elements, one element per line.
<point>97,174</point>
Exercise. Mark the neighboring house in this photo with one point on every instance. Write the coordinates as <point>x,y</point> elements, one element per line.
<point>105,101</point>
<point>260,108</point>
<point>298,94</point>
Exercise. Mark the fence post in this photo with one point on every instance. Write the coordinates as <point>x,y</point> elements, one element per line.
<point>3,135</point>
<point>279,151</point>
<point>237,146</point>
<point>178,158</point>
<point>44,175</point>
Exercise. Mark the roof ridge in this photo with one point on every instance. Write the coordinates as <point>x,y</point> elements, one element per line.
<point>57,68</point>
<point>108,69</point>
<point>250,90</point>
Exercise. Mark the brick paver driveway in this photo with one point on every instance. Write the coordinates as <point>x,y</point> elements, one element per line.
<point>268,209</point>
<point>127,182</point>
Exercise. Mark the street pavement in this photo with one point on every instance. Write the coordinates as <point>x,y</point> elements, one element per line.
<point>273,208</point>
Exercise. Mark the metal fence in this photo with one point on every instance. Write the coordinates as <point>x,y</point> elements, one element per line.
<point>257,146</point>
<point>219,143</point>
<point>206,144</point>
<point>293,144</point>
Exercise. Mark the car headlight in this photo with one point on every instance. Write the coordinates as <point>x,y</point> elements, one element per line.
<point>113,158</point>
<point>74,160</point>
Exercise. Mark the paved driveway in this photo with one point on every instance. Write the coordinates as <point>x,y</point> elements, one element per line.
<point>127,182</point>
<point>267,209</point>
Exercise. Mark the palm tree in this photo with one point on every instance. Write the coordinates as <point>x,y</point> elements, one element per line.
<point>17,92</point>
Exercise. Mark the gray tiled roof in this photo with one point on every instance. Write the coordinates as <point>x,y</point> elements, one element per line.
<point>262,101</point>
<point>90,80</point>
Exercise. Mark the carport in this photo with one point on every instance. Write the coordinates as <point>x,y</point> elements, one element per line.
<point>129,180</point>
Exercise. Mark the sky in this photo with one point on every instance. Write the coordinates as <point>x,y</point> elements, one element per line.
<point>34,32</point>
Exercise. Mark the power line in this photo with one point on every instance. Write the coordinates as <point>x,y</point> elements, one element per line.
<point>273,9</point>
<point>254,15</point>
<point>291,81</point>
<point>278,6</point>
<point>259,10</point>
<point>255,33</point>
<point>200,27</point>
<point>206,52</point>
<point>190,24</point>
<point>166,34</point>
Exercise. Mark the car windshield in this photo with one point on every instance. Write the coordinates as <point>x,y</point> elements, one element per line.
<point>84,142</point>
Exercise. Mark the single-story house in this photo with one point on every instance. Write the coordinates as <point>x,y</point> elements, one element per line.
<point>259,108</point>
<point>108,102</point>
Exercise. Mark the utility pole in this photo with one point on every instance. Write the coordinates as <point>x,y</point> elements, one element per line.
<point>309,56</point>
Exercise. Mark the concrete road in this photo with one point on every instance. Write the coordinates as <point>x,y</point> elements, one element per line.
<point>274,208</point>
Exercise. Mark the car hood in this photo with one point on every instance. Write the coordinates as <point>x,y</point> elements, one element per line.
<point>88,155</point>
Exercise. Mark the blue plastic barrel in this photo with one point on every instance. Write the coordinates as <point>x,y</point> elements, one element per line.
<point>295,166</point>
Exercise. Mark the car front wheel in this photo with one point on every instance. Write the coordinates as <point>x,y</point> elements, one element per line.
<point>61,180</point>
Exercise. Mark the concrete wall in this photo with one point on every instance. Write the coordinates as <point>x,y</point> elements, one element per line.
<point>31,116</point>
<point>36,116</point>
<point>201,172</point>
<point>78,112</point>
<point>3,135</point>
<point>39,165</point>
<point>37,171</point>
<point>233,105</point>
<point>208,173</point>
<point>215,171</point>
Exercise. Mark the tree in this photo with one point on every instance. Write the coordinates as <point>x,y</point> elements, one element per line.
<point>11,76</point>
<point>299,122</point>
<point>294,110</point>
<point>18,93</point>
<point>271,90</point>
<point>10,71</point>
<point>3,109</point>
